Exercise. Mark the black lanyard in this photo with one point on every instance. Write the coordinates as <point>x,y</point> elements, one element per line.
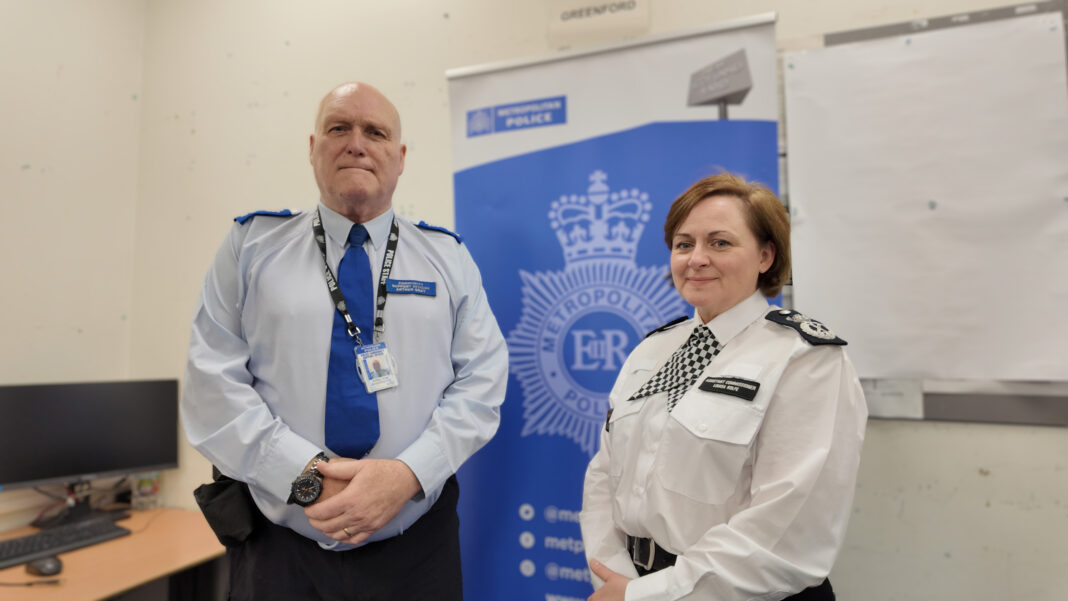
<point>335,290</point>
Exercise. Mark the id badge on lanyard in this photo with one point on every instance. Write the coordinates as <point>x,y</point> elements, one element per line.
<point>375,365</point>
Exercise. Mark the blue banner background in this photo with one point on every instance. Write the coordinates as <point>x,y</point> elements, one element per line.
<point>520,495</point>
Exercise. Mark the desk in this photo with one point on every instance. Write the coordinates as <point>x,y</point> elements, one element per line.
<point>164,541</point>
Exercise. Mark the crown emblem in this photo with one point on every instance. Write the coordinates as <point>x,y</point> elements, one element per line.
<point>479,122</point>
<point>603,224</point>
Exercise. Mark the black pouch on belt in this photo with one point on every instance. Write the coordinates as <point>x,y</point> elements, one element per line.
<point>228,506</point>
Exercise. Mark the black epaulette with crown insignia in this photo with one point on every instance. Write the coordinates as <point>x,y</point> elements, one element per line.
<point>668,325</point>
<point>811,330</point>
<point>283,213</point>
<point>436,228</point>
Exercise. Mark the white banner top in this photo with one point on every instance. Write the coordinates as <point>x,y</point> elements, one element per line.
<point>528,106</point>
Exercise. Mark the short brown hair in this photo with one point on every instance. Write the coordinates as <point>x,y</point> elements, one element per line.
<point>764,213</point>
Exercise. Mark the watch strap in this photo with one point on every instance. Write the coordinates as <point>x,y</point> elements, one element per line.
<point>316,461</point>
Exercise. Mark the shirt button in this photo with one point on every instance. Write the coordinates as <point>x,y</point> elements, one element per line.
<point>702,427</point>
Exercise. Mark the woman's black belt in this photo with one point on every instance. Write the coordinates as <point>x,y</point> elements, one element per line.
<point>648,556</point>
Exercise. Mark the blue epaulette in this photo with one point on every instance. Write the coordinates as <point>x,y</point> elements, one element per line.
<point>426,226</point>
<point>283,213</point>
<point>668,325</point>
<point>811,330</point>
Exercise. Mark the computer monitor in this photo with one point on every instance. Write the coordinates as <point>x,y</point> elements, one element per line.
<point>74,433</point>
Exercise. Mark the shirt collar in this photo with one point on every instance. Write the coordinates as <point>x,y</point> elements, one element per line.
<point>731,322</point>
<point>337,226</point>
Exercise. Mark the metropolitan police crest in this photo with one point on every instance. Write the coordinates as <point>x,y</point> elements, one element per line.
<point>479,122</point>
<point>578,325</point>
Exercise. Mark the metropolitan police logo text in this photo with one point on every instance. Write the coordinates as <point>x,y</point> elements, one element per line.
<point>578,325</point>
<point>517,115</point>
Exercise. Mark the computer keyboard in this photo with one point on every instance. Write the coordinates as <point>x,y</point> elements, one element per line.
<point>57,540</point>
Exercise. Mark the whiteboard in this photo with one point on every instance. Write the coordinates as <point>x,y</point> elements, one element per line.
<point>928,178</point>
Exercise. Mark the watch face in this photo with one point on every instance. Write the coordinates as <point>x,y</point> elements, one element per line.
<point>306,489</point>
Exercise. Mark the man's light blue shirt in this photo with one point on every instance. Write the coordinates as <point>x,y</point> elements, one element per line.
<point>253,398</point>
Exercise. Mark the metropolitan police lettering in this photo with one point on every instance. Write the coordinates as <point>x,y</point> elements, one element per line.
<point>502,118</point>
<point>578,325</point>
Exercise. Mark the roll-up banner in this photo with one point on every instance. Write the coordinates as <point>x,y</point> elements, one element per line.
<point>564,171</point>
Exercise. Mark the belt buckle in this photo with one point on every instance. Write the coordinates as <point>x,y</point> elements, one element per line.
<point>636,551</point>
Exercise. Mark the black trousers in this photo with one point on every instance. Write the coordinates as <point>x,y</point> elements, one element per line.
<point>820,592</point>
<point>423,562</point>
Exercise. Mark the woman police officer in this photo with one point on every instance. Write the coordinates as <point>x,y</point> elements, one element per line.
<point>729,457</point>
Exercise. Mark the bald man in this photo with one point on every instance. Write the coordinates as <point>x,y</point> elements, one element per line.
<point>350,469</point>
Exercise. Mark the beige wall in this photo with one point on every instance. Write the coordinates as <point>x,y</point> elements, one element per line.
<point>70,101</point>
<point>134,131</point>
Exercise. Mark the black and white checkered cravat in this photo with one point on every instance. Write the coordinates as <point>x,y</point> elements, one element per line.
<point>683,368</point>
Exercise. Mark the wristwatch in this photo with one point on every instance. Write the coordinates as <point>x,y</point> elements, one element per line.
<point>309,485</point>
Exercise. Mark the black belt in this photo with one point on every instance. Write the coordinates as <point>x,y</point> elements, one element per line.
<point>648,555</point>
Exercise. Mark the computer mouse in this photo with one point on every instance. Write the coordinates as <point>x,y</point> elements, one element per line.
<point>45,566</point>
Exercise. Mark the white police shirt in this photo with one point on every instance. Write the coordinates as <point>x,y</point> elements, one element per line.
<point>254,393</point>
<point>753,494</point>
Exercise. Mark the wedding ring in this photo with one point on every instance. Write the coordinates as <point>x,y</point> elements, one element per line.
<point>346,531</point>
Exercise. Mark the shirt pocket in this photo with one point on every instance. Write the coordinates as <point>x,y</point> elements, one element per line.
<point>425,311</point>
<point>637,373</point>
<point>624,428</point>
<point>706,446</point>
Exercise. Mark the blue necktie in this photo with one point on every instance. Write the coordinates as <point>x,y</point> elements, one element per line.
<point>351,426</point>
